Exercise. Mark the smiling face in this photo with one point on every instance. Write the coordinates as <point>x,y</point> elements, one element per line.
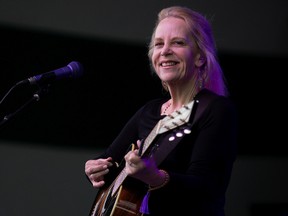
<point>174,54</point>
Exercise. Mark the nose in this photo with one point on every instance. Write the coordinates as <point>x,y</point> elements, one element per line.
<point>165,50</point>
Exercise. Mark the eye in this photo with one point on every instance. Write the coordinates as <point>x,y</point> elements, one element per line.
<point>179,43</point>
<point>158,44</point>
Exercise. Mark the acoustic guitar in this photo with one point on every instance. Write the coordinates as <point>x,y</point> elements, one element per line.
<point>122,197</point>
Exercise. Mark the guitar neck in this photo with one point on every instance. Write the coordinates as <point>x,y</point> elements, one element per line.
<point>170,122</point>
<point>118,181</point>
<point>122,175</point>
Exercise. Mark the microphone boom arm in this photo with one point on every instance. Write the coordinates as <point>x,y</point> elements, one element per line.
<point>36,97</point>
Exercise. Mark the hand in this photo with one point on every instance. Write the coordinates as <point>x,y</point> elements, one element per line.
<point>144,169</point>
<point>97,169</point>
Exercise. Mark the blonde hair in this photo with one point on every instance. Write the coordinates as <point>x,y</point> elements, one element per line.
<point>201,32</point>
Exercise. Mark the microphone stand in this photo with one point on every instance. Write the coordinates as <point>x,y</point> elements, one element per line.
<point>36,97</point>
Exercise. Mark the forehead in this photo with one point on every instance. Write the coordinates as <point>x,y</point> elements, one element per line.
<point>171,27</point>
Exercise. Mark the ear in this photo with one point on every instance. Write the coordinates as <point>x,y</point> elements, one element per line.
<point>200,60</point>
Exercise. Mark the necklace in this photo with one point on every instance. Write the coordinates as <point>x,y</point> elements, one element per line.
<point>166,108</point>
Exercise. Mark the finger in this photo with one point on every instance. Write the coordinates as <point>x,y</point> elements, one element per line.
<point>95,169</point>
<point>136,153</point>
<point>98,184</point>
<point>98,175</point>
<point>109,159</point>
<point>138,143</point>
<point>130,168</point>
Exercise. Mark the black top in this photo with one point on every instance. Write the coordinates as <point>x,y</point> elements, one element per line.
<point>199,166</point>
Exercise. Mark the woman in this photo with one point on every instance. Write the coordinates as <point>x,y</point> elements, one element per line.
<point>193,177</point>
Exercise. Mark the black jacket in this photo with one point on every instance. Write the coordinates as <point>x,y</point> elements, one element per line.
<point>199,166</point>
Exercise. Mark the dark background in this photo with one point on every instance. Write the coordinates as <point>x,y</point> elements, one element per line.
<point>44,147</point>
<point>91,110</point>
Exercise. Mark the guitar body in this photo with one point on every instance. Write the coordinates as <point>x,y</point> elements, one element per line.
<point>125,202</point>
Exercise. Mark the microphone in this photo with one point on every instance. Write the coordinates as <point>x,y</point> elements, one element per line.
<point>73,70</point>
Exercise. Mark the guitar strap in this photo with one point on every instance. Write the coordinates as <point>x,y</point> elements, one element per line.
<point>201,102</point>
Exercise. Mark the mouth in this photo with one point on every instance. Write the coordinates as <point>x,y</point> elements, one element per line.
<point>168,63</point>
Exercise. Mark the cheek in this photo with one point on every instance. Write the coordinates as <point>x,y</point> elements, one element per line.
<point>189,66</point>
<point>190,61</point>
<point>154,60</point>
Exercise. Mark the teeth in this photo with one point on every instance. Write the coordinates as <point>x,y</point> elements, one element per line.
<point>168,64</point>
